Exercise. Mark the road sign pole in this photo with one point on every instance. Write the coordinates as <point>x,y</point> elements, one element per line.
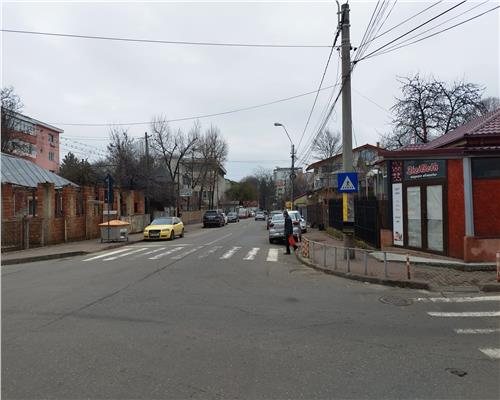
<point>347,122</point>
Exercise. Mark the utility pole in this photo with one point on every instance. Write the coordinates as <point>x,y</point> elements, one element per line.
<point>347,126</point>
<point>148,172</point>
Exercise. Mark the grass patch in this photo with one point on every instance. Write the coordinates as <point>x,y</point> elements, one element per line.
<point>334,233</point>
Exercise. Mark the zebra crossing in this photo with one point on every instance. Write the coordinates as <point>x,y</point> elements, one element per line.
<point>178,252</point>
<point>489,316</point>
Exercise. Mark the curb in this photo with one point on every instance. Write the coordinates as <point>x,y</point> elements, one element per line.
<point>61,255</point>
<point>370,279</point>
<point>490,287</point>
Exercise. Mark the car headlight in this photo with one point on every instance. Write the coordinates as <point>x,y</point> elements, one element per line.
<point>165,230</point>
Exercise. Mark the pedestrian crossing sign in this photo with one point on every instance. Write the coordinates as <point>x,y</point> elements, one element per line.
<point>347,182</point>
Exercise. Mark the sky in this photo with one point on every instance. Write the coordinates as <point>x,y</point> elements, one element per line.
<point>64,81</point>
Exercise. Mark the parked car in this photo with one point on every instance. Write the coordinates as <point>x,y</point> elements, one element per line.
<point>225,218</point>
<point>164,228</point>
<point>213,218</point>
<point>260,216</point>
<point>232,217</point>
<point>270,216</point>
<point>302,221</point>
<point>277,228</point>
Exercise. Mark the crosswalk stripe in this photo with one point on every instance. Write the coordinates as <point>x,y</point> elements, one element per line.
<point>186,253</point>
<point>166,253</point>
<point>107,254</point>
<point>458,299</point>
<point>492,353</point>
<point>252,253</point>
<point>125,254</point>
<point>153,251</point>
<point>476,331</point>
<point>211,251</point>
<point>228,254</point>
<point>272,255</point>
<point>465,314</point>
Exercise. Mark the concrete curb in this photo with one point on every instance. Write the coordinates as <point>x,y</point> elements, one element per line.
<point>370,279</point>
<point>55,256</point>
<point>490,287</point>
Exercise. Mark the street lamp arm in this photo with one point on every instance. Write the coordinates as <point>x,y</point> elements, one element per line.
<point>284,127</point>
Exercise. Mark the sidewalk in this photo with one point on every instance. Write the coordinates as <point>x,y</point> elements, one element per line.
<point>426,272</point>
<point>72,249</point>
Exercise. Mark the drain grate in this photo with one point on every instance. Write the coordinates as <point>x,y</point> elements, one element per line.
<point>395,300</point>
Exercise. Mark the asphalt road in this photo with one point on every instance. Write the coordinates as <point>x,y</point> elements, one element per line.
<point>194,319</point>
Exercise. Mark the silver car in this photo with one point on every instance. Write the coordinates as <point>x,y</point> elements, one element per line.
<point>277,227</point>
<point>302,221</point>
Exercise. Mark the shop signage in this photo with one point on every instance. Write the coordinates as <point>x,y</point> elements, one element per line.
<point>424,169</point>
<point>397,214</point>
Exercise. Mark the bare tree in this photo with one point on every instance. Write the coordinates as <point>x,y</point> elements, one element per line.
<point>326,144</point>
<point>489,104</point>
<point>172,147</point>
<point>11,106</point>
<point>123,159</point>
<point>430,108</point>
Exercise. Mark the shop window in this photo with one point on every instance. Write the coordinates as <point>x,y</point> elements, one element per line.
<point>58,210</point>
<point>486,167</point>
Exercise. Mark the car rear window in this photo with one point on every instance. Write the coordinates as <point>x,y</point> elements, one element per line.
<point>278,217</point>
<point>211,212</point>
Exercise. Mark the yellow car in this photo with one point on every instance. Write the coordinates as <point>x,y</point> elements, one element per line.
<point>164,228</point>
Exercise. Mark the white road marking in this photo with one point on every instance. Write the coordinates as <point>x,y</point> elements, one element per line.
<point>186,253</point>
<point>125,254</point>
<point>252,253</point>
<point>158,256</point>
<point>476,331</point>
<point>458,299</point>
<point>465,314</point>
<point>228,254</point>
<point>211,251</point>
<point>492,353</point>
<point>272,255</point>
<point>108,254</point>
<point>216,240</point>
<point>151,251</point>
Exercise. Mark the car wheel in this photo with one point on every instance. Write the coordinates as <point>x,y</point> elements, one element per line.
<point>271,241</point>
<point>182,233</point>
<point>172,236</point>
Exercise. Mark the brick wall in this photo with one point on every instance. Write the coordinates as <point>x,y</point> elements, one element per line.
<point>48,228</point>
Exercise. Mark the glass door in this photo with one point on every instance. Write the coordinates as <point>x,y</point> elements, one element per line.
<point>434,217</point>
<point>414,216</point>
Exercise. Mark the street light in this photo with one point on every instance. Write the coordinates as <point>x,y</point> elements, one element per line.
<point>292,172</point>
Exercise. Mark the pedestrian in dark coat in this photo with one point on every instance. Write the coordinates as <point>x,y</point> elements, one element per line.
<point>288,231</point>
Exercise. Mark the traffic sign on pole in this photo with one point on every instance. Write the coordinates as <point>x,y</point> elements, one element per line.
<point>347,182</point>
<point>109,197</point>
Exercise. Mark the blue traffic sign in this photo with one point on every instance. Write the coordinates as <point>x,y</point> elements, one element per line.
<point>347,182</point>
<point>109,197</point>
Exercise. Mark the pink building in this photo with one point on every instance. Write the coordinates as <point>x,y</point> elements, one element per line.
<point>39,142</point>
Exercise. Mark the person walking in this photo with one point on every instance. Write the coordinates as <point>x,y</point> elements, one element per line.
<point>288,232</point>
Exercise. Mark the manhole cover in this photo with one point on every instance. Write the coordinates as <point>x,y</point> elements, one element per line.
<point>395,300</point>
<point>457,372</point>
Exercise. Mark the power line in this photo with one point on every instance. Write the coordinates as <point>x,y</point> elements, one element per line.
<point>197,116</point>
<point>174,42</point>
<point>402,22</point>
<point>393,48</point>
<point>319,87</point>
<point>412,30</point>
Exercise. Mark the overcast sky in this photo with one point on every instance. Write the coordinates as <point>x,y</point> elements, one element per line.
<point>68,80</point>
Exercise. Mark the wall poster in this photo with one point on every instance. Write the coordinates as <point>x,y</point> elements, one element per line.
<point>397,214</point>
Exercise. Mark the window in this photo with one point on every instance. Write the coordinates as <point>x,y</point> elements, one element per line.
<point>51,138</point>
<point>486,167</point>
<point>51,156</point>
<point>32,206</point>
<point>58,209</point>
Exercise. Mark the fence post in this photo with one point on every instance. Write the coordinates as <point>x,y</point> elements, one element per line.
<point>408,266</point>
<point>366,262</point>
<point>335,255</point>
<point>324,256</point>
<point>498,266</point>
<point>385,264</point>
<point>348,260</point>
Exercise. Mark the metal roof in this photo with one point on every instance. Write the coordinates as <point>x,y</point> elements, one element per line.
<point>19,171</point>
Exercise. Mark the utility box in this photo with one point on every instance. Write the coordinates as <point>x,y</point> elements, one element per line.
<point>114,231</point>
